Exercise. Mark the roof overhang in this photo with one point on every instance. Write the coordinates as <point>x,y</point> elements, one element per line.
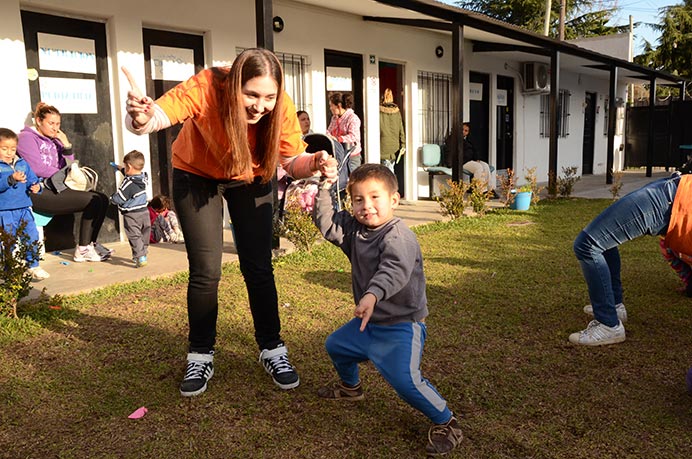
<point>489,35</point>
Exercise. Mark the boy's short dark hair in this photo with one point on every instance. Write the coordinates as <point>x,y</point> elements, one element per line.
<point>374,171</point>
<point>8,134</point>
<point>135,159</point>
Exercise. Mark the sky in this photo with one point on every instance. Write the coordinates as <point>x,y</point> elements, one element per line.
<point>645,11</point>
<point>642,11</point>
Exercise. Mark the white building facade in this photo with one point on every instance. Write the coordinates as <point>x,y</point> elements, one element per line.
<point>509,123</point>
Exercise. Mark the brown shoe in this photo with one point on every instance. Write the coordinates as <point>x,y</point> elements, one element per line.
<point>339,391</point>
<point>443,438</point>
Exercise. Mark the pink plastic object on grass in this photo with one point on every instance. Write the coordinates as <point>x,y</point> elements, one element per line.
<point>138,413</point>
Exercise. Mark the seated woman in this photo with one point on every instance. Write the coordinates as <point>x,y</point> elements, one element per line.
<point>46,148</point>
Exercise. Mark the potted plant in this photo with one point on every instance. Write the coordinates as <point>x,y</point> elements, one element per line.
<point>522,198</point>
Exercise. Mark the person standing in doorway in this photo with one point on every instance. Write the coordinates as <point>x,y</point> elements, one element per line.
<point>392,136</point>
<point>345,127</point>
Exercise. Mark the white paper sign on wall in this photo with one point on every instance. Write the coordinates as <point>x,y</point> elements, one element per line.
<point>475,91</point>
<point>501,97</point>
<point>66,54</point>
<point>172,64</point>
<point>69,95</point>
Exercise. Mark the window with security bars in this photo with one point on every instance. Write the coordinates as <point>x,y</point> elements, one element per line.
<point>435,102</point>
<point>296,67</point>
<point>563,102</point>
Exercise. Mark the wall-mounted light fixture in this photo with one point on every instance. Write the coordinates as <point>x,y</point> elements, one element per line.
<point>277,24</point>
<point>439,51</point>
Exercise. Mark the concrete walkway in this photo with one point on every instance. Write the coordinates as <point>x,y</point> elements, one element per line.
<point>68,277</point>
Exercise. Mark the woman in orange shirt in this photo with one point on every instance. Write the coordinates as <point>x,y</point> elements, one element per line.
<point>238,126</point>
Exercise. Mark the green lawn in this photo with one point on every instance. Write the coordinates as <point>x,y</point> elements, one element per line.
<point>504,293</point>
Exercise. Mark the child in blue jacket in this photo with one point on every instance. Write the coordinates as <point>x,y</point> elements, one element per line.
<point>17,180</point>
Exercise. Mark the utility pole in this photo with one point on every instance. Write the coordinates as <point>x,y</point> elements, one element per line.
<point>546,23</point>
<point>562,19</point>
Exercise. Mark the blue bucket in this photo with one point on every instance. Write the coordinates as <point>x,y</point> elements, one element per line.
<point>522,201</point>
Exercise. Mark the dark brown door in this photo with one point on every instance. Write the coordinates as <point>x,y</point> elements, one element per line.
<point>589,133</point>
<point>69,58</point>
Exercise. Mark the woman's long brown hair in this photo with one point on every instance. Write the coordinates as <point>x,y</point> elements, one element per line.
<point>251,63</point>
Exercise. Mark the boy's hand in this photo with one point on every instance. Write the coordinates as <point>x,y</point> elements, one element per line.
<point>364,310</point>
<point>35,188</point>
<point>19,176</point>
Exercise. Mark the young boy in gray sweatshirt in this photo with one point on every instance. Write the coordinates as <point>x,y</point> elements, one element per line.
<point>389,290</point>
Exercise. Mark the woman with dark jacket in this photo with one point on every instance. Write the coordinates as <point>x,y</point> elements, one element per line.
<point>392,136</point>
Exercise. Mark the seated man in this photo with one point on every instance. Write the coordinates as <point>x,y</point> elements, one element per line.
<point>469,160</point>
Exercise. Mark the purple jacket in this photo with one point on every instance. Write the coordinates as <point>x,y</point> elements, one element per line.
<point>46,156</point>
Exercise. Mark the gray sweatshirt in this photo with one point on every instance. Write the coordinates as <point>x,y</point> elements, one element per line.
<point>385,261</point>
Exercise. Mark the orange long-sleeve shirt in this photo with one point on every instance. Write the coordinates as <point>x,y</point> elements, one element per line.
<point>679,234</point>
<point>202,146</point>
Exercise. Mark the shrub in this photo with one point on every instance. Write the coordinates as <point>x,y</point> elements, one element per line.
<point>617,185</point>
<point>552,185</point>
<point>297,226</point>
<point>453,199</point>
<point>15,278</point>
<point>532,183</point>
<point>478,196</point>
<point>508,182</point>
<point>565,183</point>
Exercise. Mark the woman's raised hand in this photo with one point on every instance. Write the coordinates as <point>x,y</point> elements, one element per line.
<point>138,105</point>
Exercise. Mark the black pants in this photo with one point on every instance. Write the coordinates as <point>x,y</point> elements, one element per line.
<point>199,206</point>
<point>92,204</point>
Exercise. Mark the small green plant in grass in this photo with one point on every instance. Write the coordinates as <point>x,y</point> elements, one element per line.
<point>617,185</point>
<point>453,200</point>
<point>15,277</point>
<point>508,183</point>
<point>297,225</point>
<point>478,196</point>
<point>565,183</point>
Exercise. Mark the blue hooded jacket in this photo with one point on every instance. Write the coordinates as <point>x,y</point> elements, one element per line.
<point>13,194</point>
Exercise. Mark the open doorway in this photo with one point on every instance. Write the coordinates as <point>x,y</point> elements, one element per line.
<point>391,77</point>
<point>344,73</point>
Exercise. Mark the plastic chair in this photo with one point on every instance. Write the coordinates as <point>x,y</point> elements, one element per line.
<point>432,159</point>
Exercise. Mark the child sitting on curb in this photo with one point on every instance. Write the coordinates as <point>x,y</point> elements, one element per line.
<point>131,199</point>
<point>389,288</point>
<point>164,222</point>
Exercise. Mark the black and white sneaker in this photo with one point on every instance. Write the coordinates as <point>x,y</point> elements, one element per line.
<point>200,369</point>
<point>275,362</point>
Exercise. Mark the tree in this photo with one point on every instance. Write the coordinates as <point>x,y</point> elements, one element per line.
<point>581,21</point>
<point>674,50</point>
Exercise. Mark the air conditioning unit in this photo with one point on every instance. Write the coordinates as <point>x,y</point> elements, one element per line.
<point>536,77</point>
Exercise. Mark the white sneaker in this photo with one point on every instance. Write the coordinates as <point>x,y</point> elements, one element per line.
<point>597,334</point>
<point>39,273</point>
<point>620,308</point>
<point>86,253</point>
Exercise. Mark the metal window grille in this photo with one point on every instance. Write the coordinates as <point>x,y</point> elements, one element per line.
<point>296,67</point>
<point>563,114</point>
<point>435,102</point>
